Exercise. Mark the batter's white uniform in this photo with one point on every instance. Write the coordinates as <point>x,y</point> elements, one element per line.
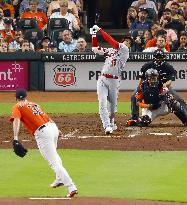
<point>109,82</point>
<point>47,139</point>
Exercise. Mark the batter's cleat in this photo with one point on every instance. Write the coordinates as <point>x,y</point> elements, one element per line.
<point>108,130</point>
<point>131,122</point>
<point>72,194</point>
<point>114,127</point>
<point>56,184</point>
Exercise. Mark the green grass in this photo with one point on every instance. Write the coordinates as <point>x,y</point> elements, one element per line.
<point>67,107</point>
<point>116,174</point>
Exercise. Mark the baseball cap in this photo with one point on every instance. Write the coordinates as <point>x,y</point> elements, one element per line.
<point>21,94</point>
<point>143,9</point>
<point>52,45</point>
<point>8,21</point>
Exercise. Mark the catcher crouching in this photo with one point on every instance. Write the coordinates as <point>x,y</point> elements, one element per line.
<point>156,100</point>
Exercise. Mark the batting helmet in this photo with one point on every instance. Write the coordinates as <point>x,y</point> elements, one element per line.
<point>159,57</point>
<point>21,94</point>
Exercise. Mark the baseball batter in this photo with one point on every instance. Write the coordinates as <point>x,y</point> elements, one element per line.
<point>46,134</point>
<point>109,81</point>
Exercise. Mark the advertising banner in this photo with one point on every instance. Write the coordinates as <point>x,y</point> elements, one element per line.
<point>83,76</point>
<point>13,75</point>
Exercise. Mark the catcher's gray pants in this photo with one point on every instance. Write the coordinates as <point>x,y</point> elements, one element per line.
<point>107,91</point>
<point>46,139</point>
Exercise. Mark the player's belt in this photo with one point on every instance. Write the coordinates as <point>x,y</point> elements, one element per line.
<point>109,76</point>
<point>41,127</point>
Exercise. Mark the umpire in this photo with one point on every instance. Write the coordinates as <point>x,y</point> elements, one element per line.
<point>166,76</point>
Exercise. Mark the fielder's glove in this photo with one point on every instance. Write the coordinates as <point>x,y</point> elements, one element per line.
<point>19,149</point>
<point>97,28</point>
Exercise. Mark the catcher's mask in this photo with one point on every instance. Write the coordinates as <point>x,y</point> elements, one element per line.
<point>152,77</point>
<point>159,57</point>
<point>21,94</point>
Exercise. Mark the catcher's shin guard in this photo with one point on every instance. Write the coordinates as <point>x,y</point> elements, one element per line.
<point>182,114</point>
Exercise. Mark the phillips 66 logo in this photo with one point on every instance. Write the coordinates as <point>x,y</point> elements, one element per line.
<point>64,75</point>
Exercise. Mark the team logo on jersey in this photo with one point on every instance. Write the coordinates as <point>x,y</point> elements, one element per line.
<point>64,75</point>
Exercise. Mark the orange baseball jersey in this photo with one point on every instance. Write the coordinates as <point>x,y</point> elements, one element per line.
<point>30,114</point>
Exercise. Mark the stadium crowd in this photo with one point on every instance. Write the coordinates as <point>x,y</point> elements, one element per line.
<point>57,25</point>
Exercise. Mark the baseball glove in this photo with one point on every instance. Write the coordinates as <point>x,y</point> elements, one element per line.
<point>19,149</point>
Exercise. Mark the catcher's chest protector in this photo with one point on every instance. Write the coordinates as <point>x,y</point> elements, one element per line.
<point>151,94</point>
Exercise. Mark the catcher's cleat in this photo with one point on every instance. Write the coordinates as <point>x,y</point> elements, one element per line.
<point>108,130</point>
<point>56,184</point>
<point>72,194</point>
<point>132,122</point>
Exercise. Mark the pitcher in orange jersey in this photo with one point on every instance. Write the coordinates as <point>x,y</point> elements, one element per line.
<point>46,134</point>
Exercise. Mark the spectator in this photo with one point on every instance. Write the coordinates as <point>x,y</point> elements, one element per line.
<point>73,23</point>
<point>142,22</point>
<point>54,6</point>
<point>175,12</point>
<point>144,4</point>
<point>131,16</point>
<point>52,47</point>
<point>1,19</point>
<point>44,44</point>
<point>81,46</point>
<point>180,2</point>
<point>26,46</point>
<point>160,44</point>
<point>35,14</point>
<point>167,22</point>
<point>68,44</point>
<point>8,9</point>
<point>24,6</point>
<point>15,44</point>
<point>182,42</point>
<point>156,30</point>
<point>3,47</point>
<point>8,34</point>
<point>79,5</point>
<point>139,43</point>
<point>16,5</point>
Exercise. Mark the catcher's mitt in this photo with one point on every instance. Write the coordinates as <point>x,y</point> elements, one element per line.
<point>19,149</point>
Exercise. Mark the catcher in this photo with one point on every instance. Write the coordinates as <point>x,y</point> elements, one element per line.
<point>46,134</point>
<point>156,100</point>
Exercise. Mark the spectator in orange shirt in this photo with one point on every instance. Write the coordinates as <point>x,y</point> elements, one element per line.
<point>156,31</point>
<point>35,14</point>
<point>7,8</point>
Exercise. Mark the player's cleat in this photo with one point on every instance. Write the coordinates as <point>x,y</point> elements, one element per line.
<point>131,122</point>
<point>56,184</point>
<point>108,130</point>
<point>114,127</point>
<point>72,194</point>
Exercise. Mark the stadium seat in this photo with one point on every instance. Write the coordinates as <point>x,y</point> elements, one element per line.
<point>57,23</point>
<point>29,23</point>
<point>56,35</point>
<point>34,35</point>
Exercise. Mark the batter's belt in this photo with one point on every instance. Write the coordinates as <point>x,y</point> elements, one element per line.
<point>109,76</point>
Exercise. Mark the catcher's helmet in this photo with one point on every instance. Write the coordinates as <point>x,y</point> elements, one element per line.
<point>159,57</point>
<point>21,94</point>
<point>152,77</point>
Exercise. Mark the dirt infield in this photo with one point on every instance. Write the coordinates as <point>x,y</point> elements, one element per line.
<point>85,132</point>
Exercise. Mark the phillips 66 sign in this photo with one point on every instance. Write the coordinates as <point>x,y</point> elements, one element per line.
<point>64,75</point>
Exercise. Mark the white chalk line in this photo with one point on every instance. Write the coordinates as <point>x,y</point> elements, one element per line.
<point>46,198</point>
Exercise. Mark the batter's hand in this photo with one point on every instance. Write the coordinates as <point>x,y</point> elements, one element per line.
<point>97,28</point>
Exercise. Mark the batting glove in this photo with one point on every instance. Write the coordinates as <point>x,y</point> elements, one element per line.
<point>93,32</point>
<point>97,28</point>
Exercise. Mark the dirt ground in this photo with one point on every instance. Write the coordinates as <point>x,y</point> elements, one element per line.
<point>85,132</point>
